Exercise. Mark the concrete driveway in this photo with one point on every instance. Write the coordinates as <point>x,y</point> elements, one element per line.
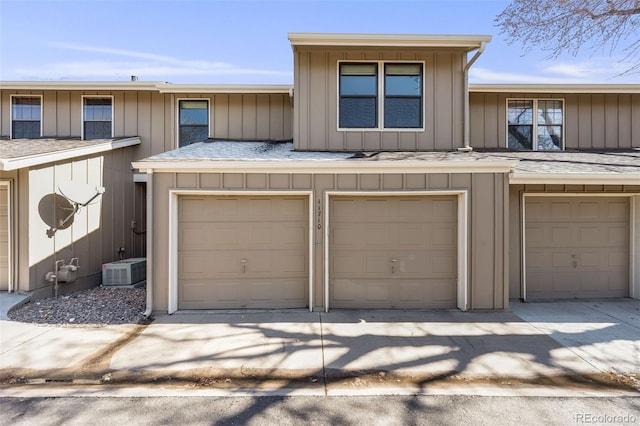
<point>537,343</point>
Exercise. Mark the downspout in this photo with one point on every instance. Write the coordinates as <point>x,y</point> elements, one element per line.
<point>467,145</point>
<point>150,251</point>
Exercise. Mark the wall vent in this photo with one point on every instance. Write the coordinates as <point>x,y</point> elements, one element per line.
<point>124,272</point>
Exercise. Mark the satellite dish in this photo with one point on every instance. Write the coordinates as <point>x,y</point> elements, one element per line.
<point>80,193</point>
<point>54,209</point>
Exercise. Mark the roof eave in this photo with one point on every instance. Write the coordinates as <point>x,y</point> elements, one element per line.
<point>80,85</point>
<point>468,42</point>
<point>7,164</point>
<point>226,88</point>
<point>325,166</point>
<point>519,178</point>
<point>554,88</point>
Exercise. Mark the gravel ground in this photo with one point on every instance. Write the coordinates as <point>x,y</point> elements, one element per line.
<point>96,306</point>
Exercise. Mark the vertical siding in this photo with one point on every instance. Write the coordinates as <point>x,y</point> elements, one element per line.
<point>591,121</point>
<point>316,106</point>
<point>488,250</point>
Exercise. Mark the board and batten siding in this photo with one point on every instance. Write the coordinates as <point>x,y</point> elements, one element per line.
<point>487,219</point>
<point>153,116</point>
<point>316,107</point>
<point>591,121</point>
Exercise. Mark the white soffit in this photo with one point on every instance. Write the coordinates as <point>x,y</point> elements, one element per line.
<point>338,167</point>
<point>80,85</point>
<point>575,178</point>
<point>389,40</point>
<point>554,88</point>
<point>226,88</point>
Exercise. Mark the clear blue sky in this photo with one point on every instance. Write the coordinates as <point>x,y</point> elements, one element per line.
<point>218,42</point>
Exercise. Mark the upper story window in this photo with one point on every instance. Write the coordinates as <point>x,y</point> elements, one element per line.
<point>393,101</point>
<point>26,117</point>
<point>97,116</point>
<point>193,119</point>
<point>535,124</point>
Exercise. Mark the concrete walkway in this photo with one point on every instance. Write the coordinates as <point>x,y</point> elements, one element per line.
<point>539,343</point>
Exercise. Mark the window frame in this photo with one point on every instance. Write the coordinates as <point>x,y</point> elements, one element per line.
<point>11,118</point>
<point>381,96</point>
<point>535,125</point>
<point>82,118</point>
<point>178,101</point>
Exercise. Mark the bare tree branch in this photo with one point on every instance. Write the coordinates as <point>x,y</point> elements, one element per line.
<point>559,26</point>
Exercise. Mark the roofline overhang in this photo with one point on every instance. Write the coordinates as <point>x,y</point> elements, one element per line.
<point>518,178</point>
<point>80,85</point>
<point>554,88</point>
<point>226,88</point>
<point>7,164</point>
<point>323,166</point>
<point>468,42</point>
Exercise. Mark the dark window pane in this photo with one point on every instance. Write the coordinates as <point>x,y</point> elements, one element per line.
<point>520,137</point>
<point>193,116</point>
<point>26,129</point>
<point>194,121</point>
<point>402,112</point>
<point>358,85</point>
<point>549,138</point>
<point>193,134</point>
<point>97,109</point>
<point>358,113</point>
<point>97,129</point>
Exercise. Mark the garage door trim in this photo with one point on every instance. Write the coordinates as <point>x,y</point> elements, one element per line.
<point>462,242</point>
<point>173,234</point>
<point>634,241</point>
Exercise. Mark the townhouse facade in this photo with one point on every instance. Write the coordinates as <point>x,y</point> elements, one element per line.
<point>380,179</point>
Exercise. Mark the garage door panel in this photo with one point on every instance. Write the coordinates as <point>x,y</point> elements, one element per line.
<point>577,247</point>
<point>243,252</point>
<point>386,252</point>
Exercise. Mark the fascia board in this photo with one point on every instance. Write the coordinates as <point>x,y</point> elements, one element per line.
<point>388,40</point>
<point>554,88</point>
<point>575,179</point>
<point>7,164</point>
<point>292,166</point>
<point>76,85</point>
<point>231,89</point>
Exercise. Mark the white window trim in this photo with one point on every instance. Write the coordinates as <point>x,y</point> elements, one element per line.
<point>380,97</point>
<point>11,111</point>
<point>178,100</point>
<point>535,121</point>
<point>82,114</point>
<point>462,283</point>
<point>634,239</point>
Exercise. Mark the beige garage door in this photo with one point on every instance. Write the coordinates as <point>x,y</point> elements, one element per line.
<point>4,237</point>
<point>577,247</point>
<point>393,252</point>
<point>243,252</point>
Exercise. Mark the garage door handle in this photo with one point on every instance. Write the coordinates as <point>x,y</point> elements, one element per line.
<point>244,265</point>
<point>393,265</point>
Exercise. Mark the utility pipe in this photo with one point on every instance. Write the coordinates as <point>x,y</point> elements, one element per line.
<point>467,145</point>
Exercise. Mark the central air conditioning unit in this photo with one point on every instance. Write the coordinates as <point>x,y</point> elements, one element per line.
<point>124,272</point>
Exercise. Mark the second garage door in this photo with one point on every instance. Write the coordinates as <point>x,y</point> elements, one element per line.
<point>577,247</point>
<point>243,252</point>
<point>393,252</point>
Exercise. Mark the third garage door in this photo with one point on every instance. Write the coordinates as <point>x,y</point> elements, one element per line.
<point>393,252</point>
<point>577,247</point>
<point>243,252</point>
